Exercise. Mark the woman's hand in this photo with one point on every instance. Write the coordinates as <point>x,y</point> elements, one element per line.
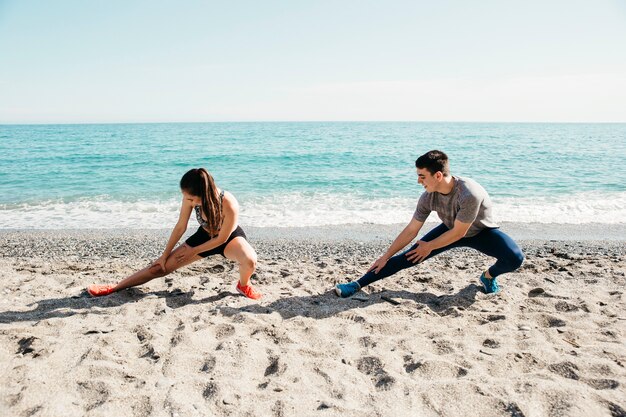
<point>378,264</point>
<point>160,263</point>
<point>183,253</point>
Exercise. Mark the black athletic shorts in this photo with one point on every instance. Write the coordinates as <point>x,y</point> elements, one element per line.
<point>201,236</point>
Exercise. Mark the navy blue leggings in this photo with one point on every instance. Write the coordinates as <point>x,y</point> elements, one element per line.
<point>491,242</point>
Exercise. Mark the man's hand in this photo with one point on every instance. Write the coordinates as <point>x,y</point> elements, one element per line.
<point>418,254</point>
<point>378,265</point>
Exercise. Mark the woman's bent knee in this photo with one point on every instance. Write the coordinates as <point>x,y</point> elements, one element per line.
<point>157,272</point>
<point>249,263</point>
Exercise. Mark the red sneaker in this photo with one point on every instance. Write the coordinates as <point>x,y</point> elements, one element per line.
<point>100,290</point>
<point>248,291</point>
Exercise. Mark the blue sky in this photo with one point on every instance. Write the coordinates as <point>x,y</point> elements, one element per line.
<point>160,61</point>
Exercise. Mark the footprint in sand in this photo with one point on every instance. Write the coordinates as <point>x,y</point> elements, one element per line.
<point>142,407</point>
<point>150,353</point>
<point>31,346</point>
<point>514,410</point>
<point>565,307</point>
<point>277,337</point>
<point>94,393</point>
<point>25,345</point>
<point>274,368</point>
<point>496,317</point>
<point>224,330</point>
<point>178,335</point>
<point>616,410</point>
<point>328,381</point>
<point>490,343</point>
<point>525,361</point>
<point>352,317</point>
<point>433,369</point>
<point>210,391</point>
<point>209,364</point>
<point>537,292</point>
<point>32,411</point>
<point>570,371</point>
<point>367,342</point>
<point>602,383</point>
<point>565,369</point>
<point>557,403</point>
<point>13,399</point>
<point>144,337</point>
<point>411,365</point>
<point>278,409</point>
<point>373,367</point>
<point>216,269</point>
<point>550,321</point>
<point>443,347</point>
<point>176,339</point>
<point>142,333</point>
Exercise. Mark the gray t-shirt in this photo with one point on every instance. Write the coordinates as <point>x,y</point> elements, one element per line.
<point>468,202</point>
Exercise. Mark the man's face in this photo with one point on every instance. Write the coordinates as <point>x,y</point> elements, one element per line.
<point>426,179</point>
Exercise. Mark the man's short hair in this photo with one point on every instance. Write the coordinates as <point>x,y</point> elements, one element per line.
<point>434,161</point>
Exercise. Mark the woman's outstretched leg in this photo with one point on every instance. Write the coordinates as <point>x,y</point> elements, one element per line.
<point>240,251</point>
<point>147,274</point>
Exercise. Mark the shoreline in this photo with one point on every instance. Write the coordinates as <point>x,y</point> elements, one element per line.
<point>366,232</point>
<point>354,242</point>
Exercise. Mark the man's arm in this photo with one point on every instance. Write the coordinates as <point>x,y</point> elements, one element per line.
<point>403,239</point>
<point>425,248</point>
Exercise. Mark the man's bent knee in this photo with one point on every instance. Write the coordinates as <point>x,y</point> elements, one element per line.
<point>516,260</point>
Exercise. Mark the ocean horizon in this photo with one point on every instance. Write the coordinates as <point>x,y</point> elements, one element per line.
<point>290,174</point>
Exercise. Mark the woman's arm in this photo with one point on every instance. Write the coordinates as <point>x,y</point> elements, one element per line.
<point>179,229</point>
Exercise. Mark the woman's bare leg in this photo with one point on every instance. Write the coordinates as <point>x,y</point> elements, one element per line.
<point>152,272</point>
<point>240,251</point>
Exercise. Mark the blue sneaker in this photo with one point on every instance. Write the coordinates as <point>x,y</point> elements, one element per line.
<point>346,290</point>
<point>490,284</point>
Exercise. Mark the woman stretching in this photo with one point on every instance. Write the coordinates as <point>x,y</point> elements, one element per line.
<point>217,213</point>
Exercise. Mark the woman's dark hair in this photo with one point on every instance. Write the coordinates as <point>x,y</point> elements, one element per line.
<point>434,161</point>
<point>198,182</point>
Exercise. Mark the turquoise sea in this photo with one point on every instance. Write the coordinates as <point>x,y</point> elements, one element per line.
<point>303,174</point>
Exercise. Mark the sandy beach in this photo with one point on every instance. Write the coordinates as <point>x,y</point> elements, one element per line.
<point>425,342</point>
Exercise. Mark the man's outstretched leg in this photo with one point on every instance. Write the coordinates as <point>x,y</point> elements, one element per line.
<point>394,264</point>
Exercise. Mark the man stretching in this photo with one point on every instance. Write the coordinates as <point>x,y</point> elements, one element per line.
<point>464,207</point>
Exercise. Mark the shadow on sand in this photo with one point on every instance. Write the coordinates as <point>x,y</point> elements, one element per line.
<point>328,304</point>
<point>315,306</point>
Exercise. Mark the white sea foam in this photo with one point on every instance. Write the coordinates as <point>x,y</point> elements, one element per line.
<point>299,209</point>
